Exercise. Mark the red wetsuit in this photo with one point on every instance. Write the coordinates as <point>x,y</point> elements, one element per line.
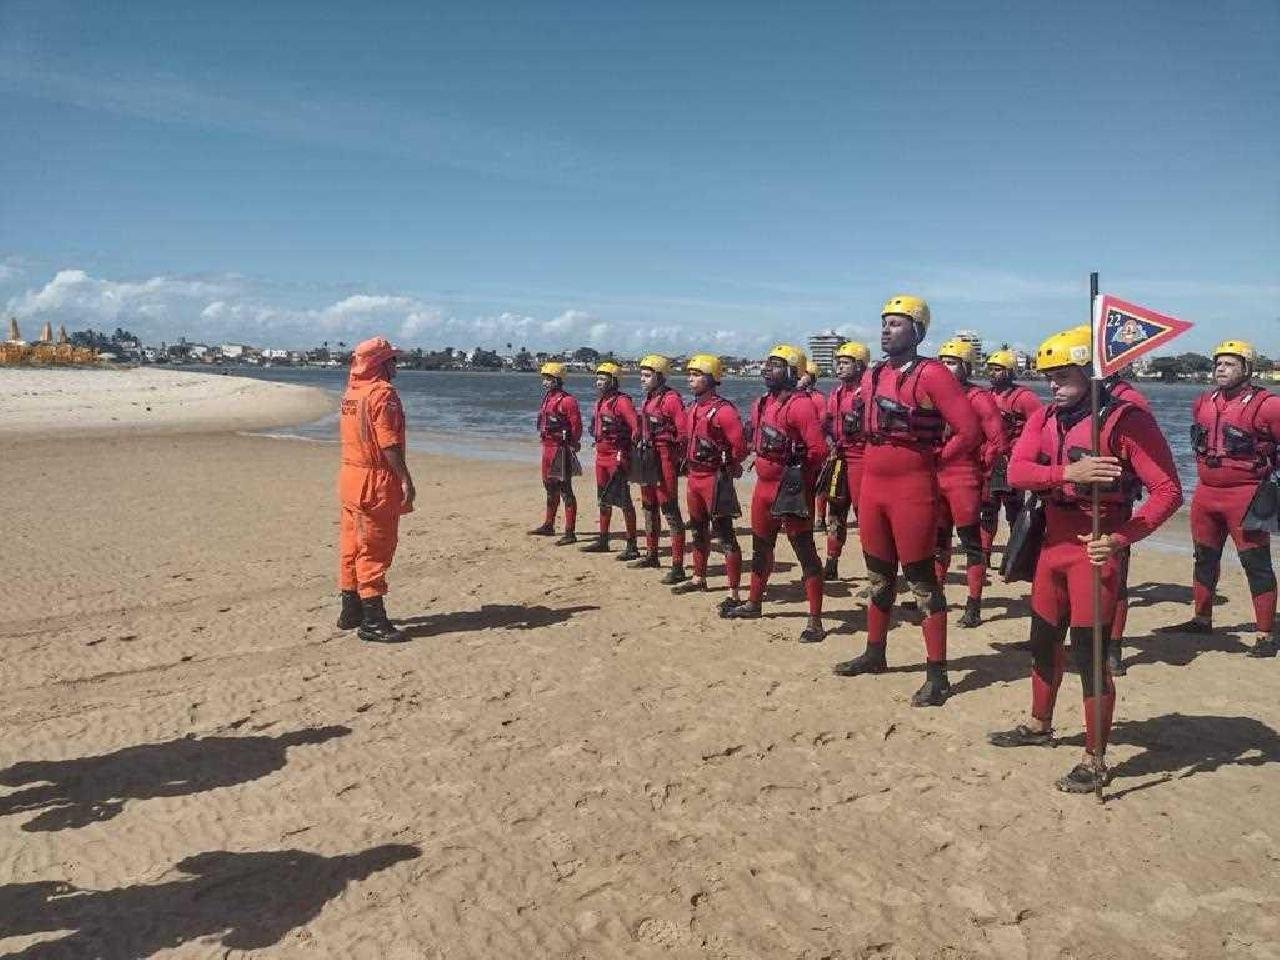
<point>905,412</point>
<point>715,442</point>
<point>614,426</point>
<point>662,424</point>
<point>960,480</point>
<point>1061,589</point>
<point>1235,436</point>
<point>843,424</point>
<point>1120,389</point>
<point>1016,404</point>
<point>559,425</point>
<point>784,427</point>
<point>819,402</point>
<point>1126,391</point>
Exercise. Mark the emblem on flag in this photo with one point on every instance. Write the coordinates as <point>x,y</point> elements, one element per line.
<point>1124,331</point>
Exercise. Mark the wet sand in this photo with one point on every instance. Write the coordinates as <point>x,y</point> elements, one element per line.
<point>566,761</point>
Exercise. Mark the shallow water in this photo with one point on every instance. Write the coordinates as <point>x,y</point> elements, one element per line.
<point>490,415</point>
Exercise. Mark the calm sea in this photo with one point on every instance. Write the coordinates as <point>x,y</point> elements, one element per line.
<point>490,415</point>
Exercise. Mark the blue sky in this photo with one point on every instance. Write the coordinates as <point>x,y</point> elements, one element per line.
<point>636,175</point>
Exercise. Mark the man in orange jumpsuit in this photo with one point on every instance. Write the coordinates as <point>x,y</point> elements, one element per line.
<point>374,488</point>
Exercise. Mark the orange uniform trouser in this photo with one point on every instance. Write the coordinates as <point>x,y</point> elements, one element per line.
<point>369,527</point>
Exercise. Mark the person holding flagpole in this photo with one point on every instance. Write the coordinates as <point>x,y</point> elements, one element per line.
<point>1052,458</point>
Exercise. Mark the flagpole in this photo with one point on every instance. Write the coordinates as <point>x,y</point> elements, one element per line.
<point>1094,390</point>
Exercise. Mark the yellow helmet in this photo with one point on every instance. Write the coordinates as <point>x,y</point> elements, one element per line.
<point>609,369</point>
<point>907,306</point>
<point>958,349</point>
<point>813,369</point>
<point>794,356</point>
<point>1237,348</point>
<point>706,363</point>
<point>657,363</point>
<point>552,368</point>
<point>1003,358</point>
<point>854,351</point>
<point>1066,348</point>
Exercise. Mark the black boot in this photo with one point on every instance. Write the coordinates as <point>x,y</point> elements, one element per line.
<point>648,562</point>
<point>1194,626</point>
<point>870,660</point>
<point>830,570</point>
<point>376,628</point>
<point>546,530</point>
<point>599,545</point>
<point>629,552</point>
<point>1265,647</point>
<point>675,575</point>
<point>935,689</point>
<point>352,614</point>
<point>567,538</point>
<point>972,615</point>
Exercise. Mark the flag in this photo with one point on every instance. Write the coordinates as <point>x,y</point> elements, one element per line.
<point>1122,332</point>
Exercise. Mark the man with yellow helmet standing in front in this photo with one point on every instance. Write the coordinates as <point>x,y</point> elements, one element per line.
<point>662,428</point>
<point>1016,405</point>
<point>614,427</point>
<point>1052,457</point>
<point>1235,430</point>
<point>961,478</point>
<point>786,437</point>
<point>560,429</point>
<point>843,424</point>
<point>909,401</point>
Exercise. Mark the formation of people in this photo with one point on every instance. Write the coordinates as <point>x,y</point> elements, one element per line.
<point>922,459</point>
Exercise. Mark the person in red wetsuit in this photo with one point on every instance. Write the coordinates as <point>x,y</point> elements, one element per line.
<point>1052,457</point>
<point>560,428</point>
<point>808,385</point>
<point>843,424</point>
<point>1235,429</point>
<point>908,403</point>
<point>961,477</point>
<point>614,427</point>
<point>1016,404</point>
<point>662,432</point>
<point>713,455</point>
<point>786,437</point>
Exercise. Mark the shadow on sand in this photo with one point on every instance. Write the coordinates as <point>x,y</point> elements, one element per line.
<point>488,617</point>
<point>84,790</point>
<point>247,901</point>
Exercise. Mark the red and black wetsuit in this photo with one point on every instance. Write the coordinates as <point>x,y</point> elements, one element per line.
<point>1119,389</point>
<point>614,428</point>
<point>715,442</point>
<point>785,429</point>
<point>1062,586</point>
<point>961,476</point>
<point>843,424</point>
<point>662,425</point>
<point>559,425</point>
<point>819,402</point>
<point>1235,435</point>
<point>905,411</point>
<point>1016,405</point>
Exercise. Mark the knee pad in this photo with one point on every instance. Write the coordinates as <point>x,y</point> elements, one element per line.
<point>923,583</point>
<point>1082,654</point>
<point>1256,562</point>
<point>1207,564</point>
<point>761,553</point>
<point>971,541</point>
<point>701,535</point>
<point>728,538</point>
<point>672,512</point>
<point>880,576</point>
<point>944,538</point>
<point>552,487</point>
<point>806,553</point>
<point>1045,637</point>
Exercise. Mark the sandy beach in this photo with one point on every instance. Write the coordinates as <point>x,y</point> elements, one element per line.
<point>566,761</point>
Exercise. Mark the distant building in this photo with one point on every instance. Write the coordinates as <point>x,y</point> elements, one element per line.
<point>822,349</point>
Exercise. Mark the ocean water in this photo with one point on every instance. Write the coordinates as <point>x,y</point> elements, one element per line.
<point>491,415</point>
